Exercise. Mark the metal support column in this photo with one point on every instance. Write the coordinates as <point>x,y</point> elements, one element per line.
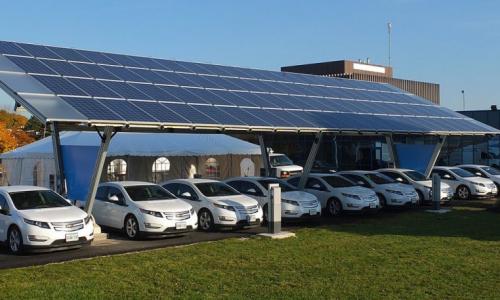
<point>60,180</point>
<point>99,165</point>
<point>435,155</point>
<point>310,160</point>
<point>264,156</point>
<point>392,153</point>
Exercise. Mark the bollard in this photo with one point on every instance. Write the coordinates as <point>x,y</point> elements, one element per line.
<point>436,191</point>
<point>274,209</point>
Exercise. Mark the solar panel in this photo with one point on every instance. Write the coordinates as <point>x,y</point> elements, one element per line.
<point>108,87</point>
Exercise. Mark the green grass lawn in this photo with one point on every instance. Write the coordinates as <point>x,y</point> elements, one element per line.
<point>410,255</point>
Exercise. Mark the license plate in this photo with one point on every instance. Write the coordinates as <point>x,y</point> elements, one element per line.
<point>312,212</point>
<point>71,237</point>
<point>180,225</point>
<point>372,205</point>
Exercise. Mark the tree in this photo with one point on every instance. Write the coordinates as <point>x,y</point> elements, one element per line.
<point>7,140</point>
<point>12,132</point>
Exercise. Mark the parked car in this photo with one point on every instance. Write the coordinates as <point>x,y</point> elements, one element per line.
<point>282,166</point>
<point>142,209</point>
<point>390,192</point>
<point>321,166</point>
<point>35,218</point>
<point>422,185</point>
<point>217,203</point>
<point>484,171</point>
<point>295,204</point>
<point>338,194</point>
<point>466,184</point>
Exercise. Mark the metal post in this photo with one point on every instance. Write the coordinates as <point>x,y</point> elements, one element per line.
<point>274,208</point>
<point>99,165</point>
<point>392,153</point>
<point>56,146</point>
<point>310,160</point>
<point>436,191</point>
<point>435,155</point>
<point>264,156</point>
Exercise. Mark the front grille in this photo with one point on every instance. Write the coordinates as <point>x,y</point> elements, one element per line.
<point>248,209</point>
<point>68,226</point>
<point>309,204</point>
<point>181,215</point>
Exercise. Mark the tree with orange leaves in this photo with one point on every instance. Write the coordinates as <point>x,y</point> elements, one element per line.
<point>12,134</point>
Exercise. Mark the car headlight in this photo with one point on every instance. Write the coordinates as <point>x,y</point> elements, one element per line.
<point>191,211</point>
<point>87,219</point>
<point>152,213</point>
<point>37,223</point>
<point>228,207</point>
<point>291,202</point>
<point>478,184</point>
<point>395,192</point>
<point>352,196</point>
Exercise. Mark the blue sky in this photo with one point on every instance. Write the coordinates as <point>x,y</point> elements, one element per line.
<point>453,43</point>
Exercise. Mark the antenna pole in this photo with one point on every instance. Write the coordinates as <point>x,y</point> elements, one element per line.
<point>389,31</point>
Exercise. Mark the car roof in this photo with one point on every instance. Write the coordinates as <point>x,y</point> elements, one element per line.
<point>394,169</point>
<point>473,166</point>
<point>252,178</point>
<point>128,183</point>
<point>361,172</point>
<point>21,188</point>
<point>325,174</point>
<point>191,180</point>
<point>445,167</point>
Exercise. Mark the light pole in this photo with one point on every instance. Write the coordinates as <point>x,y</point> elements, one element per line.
<point>389,30</point>
<point>463,99</point>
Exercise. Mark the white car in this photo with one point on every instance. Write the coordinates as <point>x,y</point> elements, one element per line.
<point>35,218</point>
<point>283,166</point>
<point>390,192</point>
<point>295,204</point>
<point>422,185</point>
<point>217,203</point>
<point>338,194</point>
<point>465,184</point>
<point>142,208</point>
<point>484,171</point>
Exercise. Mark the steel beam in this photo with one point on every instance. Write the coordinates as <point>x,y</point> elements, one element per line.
<point>392,153</point>
<point>60,180</point>
<point>310,160</point>
<point>264,156</point>
<point>435,155</point>
<point>99,165</point>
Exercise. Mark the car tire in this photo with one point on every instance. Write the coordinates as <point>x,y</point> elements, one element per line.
<point>463,192</point>
<point>131,227</point>
<point>382,201</point>
<point>15,240</point>
<point>205,220</point>
<point>334,207</point>
<point>421,198</point>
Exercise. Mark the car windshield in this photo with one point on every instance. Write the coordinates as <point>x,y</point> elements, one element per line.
<point>462,173</point>
<point>280,160</point>
<point>337,181</point>
<point>285,187</point>
<point>216,189</point>
<point>379,178</point>
<point>414,175</point>
<point>148,193</point>
<point>37,199</point>
<point>491,170</point>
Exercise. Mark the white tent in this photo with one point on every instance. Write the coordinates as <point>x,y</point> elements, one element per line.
<point>210,155</point>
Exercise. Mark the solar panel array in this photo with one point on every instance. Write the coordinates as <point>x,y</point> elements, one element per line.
<point>135,90</point>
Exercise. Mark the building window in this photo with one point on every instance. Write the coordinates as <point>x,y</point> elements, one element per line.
<point>117,170</point>
<point>212,168</point>
<point>161,167</point>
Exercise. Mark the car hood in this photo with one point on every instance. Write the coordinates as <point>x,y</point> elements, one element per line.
<point>357,190</point>
<point>172,205</point>
<point>479,179</point>
<point>428,183</point>
<point>298,196</point>
<point>56,214</point>
<point>398,187</point>
<point>237,200</point>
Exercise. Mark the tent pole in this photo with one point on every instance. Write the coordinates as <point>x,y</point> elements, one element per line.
<point>99,165</point>
<point>392,153</point>
<point>264,156</point>
<point>310,160</point>
<point>435,155</point>
<point>60,185</point>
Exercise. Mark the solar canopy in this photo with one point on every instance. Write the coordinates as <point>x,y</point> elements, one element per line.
<point>83,87</point>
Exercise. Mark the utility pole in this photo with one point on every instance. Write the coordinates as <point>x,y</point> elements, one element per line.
<point>389,31</point>
<point>463,100</point>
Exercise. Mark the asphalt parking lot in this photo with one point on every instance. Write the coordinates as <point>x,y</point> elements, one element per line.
<point>118,244</point>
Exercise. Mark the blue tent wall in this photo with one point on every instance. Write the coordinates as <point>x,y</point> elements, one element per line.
<point>78,162</point>
<point>414,156</point>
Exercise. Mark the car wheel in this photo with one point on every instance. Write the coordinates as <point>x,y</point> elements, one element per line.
<point>205,220</point>
<point>463,192</point>
<point>382,201</point>
<point>131,228</point>
<point>421,198</point>
<point>334,207</point>
<point>15,240</point>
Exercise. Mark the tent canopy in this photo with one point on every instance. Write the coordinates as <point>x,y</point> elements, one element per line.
<point>143,144</point>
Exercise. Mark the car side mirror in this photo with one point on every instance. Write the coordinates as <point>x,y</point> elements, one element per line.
<point>114,198</point>
<point>479,174</point>
<point>360,183</point>
<point>399,179</point>
<point>252,191</point>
